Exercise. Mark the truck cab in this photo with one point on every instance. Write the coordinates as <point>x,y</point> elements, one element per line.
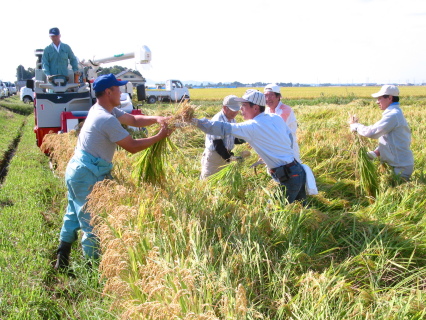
<point>175,91</point>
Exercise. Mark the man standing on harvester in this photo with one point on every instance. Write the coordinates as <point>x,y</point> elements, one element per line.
<point>56,56</point>
<point>92,161</point>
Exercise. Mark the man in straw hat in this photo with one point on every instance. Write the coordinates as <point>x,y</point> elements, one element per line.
<point>270,137</point>
<point>392,131</point>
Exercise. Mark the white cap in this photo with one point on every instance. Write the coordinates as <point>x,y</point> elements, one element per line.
<point>231,103</point>
<point>253,96</point>
<point>387,89</point>
<point>272,87</point>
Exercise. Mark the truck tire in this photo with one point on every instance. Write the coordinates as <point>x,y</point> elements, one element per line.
<point>27,99</point>
<point>152,99</point>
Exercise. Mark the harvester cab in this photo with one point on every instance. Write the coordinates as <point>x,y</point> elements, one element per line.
<point>62,102</point>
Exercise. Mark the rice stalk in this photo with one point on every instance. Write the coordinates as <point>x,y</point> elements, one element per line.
<point>184,114</point>
<point>150,167</point>
<point>229,177</point>
<point>367,172</point>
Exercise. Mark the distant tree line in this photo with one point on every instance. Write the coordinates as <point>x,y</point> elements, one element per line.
<point>22,74</point>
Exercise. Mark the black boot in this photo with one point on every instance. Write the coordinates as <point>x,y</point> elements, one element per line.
<point>63,256</point>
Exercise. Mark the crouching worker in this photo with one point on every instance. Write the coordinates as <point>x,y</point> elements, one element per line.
<point>391,130</point>
<point>269,136</point>
<point>92,161</point>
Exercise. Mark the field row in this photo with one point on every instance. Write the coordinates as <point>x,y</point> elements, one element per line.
<point>307,92</point>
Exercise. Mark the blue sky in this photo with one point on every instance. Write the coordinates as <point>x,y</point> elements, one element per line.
<point>305,41</point>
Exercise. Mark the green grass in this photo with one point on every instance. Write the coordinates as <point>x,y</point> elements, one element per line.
<point>32,203</point>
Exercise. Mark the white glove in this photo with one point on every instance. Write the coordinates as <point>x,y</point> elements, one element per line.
<point>354,127</point>
<point>371,155</point>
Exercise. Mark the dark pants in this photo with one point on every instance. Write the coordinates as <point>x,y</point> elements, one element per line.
<point>294,188</point>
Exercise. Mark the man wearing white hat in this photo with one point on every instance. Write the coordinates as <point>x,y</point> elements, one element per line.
<point>268,135</point>
<point>392,131</point>
<point>218,148</point>
<point>274,105</point>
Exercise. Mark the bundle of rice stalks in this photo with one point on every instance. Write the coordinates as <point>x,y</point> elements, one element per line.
<point>183,115</point>
<point>151,163</point>
<point>229,177</point>
<point>367,172</point>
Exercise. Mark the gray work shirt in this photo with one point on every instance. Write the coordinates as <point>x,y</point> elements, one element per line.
<point>394,136</point>
<point>101,131</point>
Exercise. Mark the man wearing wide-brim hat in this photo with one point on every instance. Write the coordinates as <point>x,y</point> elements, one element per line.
<point>392,131</point>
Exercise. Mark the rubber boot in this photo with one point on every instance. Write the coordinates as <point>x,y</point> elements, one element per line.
<point>63,256</point>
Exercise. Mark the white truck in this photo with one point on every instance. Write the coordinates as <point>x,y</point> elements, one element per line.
<point>4,91</point>
<point>175,91</point>
<point>11,86</point>
<point>26,93</point>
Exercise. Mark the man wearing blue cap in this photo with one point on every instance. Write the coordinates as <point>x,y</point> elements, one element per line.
<point>56,56</point>
<point>102,131</point>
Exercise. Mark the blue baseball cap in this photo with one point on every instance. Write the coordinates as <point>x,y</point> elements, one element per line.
<point>107,81</point>
<point>54,32</point>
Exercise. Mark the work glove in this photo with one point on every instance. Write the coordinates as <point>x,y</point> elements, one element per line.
<point>236,158</point>
<point>371,155</point>
<point>354,127</point>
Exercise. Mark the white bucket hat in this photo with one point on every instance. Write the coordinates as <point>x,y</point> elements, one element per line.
<point>272,87</point>
<point>387,89</point>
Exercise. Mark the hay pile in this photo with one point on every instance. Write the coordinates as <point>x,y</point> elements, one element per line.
<point>60,148</point>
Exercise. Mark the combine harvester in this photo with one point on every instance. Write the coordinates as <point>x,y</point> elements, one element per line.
<point>63,102</point>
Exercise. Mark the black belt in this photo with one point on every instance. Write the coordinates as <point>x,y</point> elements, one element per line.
<point>288,165</point>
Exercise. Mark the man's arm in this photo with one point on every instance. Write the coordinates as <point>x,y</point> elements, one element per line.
<point>219,146</point>
<point>73,59</point>
<point>140,120</point>
<point>45,62</point>
<point>135,145</point>
<point>375,131</point>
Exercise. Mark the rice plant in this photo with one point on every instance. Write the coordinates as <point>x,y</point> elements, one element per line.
<point>151,163</point>
<point>366,171</point>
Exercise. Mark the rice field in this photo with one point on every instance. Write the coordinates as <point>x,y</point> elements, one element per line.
<point>230,249</point>
<point>308,92</point>
<point>193,249</point>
